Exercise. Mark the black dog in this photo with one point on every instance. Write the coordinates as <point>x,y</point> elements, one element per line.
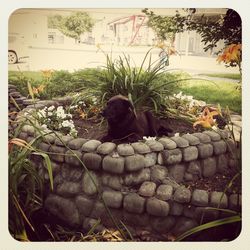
<point>125,125</point>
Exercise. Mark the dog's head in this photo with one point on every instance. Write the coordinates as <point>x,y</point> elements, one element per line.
<point>117,108</point>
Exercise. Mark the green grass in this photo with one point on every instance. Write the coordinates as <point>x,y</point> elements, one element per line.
<point>217,92</point>
<point>224,75</point>
<point>35,75</point>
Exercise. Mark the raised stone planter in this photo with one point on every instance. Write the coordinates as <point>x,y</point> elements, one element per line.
<point>142,183</point>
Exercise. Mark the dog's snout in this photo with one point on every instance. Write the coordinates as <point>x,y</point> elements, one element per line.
<point>103,113</point>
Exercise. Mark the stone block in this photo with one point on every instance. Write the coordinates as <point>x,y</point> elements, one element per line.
<point>76,143</point>
<point>150,159</point>
<point>194,168</point>
<point>199,197</point>
<point>71,157</point>
<point>177,172</point>
<point>90,183</point>
<point>98,210</point>
<point>106,148</point>
<point>136,178</point>
<point>64,209</point>
<point>125,150</point>
<point>209,167</point>
<point>70,173</point>
<point>112,181</point>
<point>157,207</point>
<point>213,135</point>
<point>84,204</point>
<point>222,163</point>
<point>141,148</point>
<point>68,189</point>
<point>60,152</point>
<point>158,173</point>
<point>92,161</point>
<point>164,192</point>
<point>180,141</point>
<point>43,146</point>
<point>202,137</point>
<point>64,140</point>
<point>220,147</point>
<point>91,145</point>
<point>134,220</point>
<point>190,153</point>
<point>113,198</point>
<point>162,225</point>
<point>218,199</point>
<point>205,150</point>
<point>113,164</point>
<point>235,202</point>
<point>172,156</point>
<point>192,140</point>
<point>183,224</point>
<point>147,189</point>
<point>167,143</point>
<point>155,146</point>
<point>134,203</point>
<point>134,162</point>
<point>176,209</point>
<point>182,195</point>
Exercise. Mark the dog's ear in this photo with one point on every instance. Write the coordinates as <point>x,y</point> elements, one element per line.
<point>128,104</point>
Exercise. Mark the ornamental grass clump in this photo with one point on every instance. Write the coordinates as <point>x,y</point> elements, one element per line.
<point>145,86</point>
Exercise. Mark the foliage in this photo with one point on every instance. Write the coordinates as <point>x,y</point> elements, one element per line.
<point>25,186</point>
<point>165,27</point>
<point>214,29</point>
<point>73,25</point>
<point>211,28</point>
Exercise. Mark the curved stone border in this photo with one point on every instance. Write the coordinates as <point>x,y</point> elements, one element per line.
<point>142,183</point>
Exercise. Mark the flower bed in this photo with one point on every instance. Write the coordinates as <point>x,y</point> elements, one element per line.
<point>144,184</point>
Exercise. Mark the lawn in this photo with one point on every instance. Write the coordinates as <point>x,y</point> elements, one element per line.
<point>224,75</point>
<point>216,92</point>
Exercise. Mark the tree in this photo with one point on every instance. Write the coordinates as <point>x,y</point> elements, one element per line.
<point>214,29</point>
<point>74,25</point>
<point>165,27</point>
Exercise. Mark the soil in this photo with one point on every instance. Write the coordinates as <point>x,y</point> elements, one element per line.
<point>96,128</point>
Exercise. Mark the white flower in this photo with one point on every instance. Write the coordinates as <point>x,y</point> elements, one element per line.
<point>50,113</point>
<point>177,134</point>
<point>149,138</point>
<point>44,126</point>
<point>51,108</point>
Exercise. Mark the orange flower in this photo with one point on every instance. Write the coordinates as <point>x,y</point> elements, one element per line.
<point>206,119</point>
<point>231,53</point>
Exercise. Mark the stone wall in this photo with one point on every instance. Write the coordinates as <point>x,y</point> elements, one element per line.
<point>142,183</point>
